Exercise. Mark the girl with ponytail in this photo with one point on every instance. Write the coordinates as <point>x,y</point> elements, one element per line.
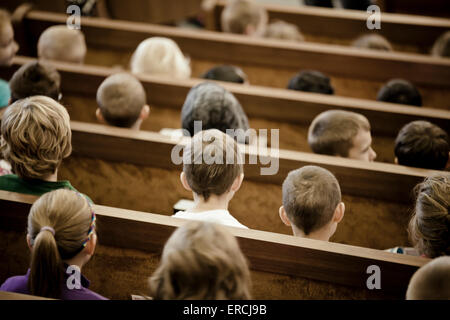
<point>61,236</point>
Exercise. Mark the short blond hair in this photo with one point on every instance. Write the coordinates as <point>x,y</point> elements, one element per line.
<point>36,136</point>
<point>332,132</point>
<point>160,56</point>
<point>372,41</point>
<point>283,31</point>
<point>239,14</point>
<point>62,44</point>
<point>121,98</point>
<point>431,282</point>
<point>201,260</point>
<point>441,47</point>
<point>215,178</point>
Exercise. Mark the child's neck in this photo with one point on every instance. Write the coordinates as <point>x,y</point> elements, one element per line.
<point>214,203</point>
<point>52,177</point>
<point>321,234</point>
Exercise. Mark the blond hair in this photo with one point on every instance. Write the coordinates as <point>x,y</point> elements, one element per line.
<point>62,44</point>
<point>160,56</point>
<point>204,174</point>
<point>36,136</point>
<point>239,14</point>
<point>201,260</point>
<point>121,98</point>
<point>372,41</point>
<point>429,227</point>
<point>284,31</point>
<point>441,47</point>
<point>332,132</point>
<point>431,281</point>
<point>68,214</point>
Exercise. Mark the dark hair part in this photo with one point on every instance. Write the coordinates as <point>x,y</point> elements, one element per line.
<point>429,228</point>
<point>310,197</point>
<point>400,91</point>
<point>422,144</point>
<point>225,73</point>
<point>311,81</point>
<point>35,79</point>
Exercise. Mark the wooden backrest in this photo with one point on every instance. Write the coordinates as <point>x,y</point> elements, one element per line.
<point>267,252</point>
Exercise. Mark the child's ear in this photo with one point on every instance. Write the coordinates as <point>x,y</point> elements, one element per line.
<point>144,112</point>
<point>91,244</point>
<point>396,160</point>
<point>339,212</point>
<point>237,183</point>
<point>184,181</point>
<point>283,216</point>
<point>29,242</point>
<point>99,116</point>
<point>249,30</point>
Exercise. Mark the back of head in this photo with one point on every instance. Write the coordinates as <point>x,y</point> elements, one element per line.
<point>67,214</point>
<point>211,162</point>
<point>35,79</point>
<point>441,47</point>
<point>201,261</point>
<point>372,41</point>
<point>238,15</point>
<point>319,3</point>
<point>121,98</point>
<point>35,136</point>
<point>226,73</point>
<point>160,56</point>
<point>311,81</point>
<point>284,31</point>
<point>216,108</point>
<point>356,4</point>
<point>310,197</point>
<point>422,144</point>
<point>429,227</point>
<point>400,91</point>
<point>8,47</point>
<point>62,44</point>
<point>431,282</point>
<point>332,132</point>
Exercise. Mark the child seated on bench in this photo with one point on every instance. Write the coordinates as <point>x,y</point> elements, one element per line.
<point>431,282</point>
<point>61,235</point>
<point>372,41</point>
<point>35,79</point>
<point>283,31</point>
<point>422,144</point>
<point>60,43</point>
<point>244,17</point>
<point>122,101</point>
<point>441,47</point>
<point>213,172</point>
<point>35,138</point>
<point>201,261</point>
<point>400,91</point>
<point>226,73</point>
<point>311,81</point>
<point>343,134</point>
<point>160,56</point>
<point>312,204</point>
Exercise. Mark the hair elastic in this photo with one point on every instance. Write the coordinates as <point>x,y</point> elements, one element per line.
<point>47,228</point>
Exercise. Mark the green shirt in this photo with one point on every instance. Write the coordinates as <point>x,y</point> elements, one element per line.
<point>13,183</point>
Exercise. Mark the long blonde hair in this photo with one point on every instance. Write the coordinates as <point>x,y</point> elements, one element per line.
<point>201,261</point>
<point>68,215</point>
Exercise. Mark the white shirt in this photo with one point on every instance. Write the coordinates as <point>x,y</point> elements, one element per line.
<point>215,216</point>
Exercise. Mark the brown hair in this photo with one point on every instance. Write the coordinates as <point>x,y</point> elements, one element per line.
<point>201,261</point>
<point>238,14</point>
<point>310,197</point>
<point>35,136</point>
<point>121,98</point>
<point>218,176</point>
<point>332,132</point>
<point>372,41</point>
<point>69,215</point>
<point>429,227</point>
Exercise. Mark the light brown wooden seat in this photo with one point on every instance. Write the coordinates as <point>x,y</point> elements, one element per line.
<point>282,266</point>
<point>19,296</point>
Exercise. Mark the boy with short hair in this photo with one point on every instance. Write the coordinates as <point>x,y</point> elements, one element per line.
<point>244,17</point>
<point>35,79</point>
<point>400,91</point>
<point>312,203</point>
<point>122,101</point>
<point>35,138</point>
<point>311,81</point>
<point>213,171</point>
<point>372,41</point>
<point>422,144</point>
<point>62,44</point>
<point>343,134</point>
<point>226,73</point>
<point>283,30</point>
<point>8,47</point>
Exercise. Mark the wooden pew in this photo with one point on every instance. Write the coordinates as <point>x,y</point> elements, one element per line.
<point>413,33</point>
<point>268,62</point>
<point>283,267</point>
<point>18,296</point>
<point>268,108</point>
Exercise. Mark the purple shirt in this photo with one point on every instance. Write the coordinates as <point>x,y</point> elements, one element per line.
<point>19,284</point>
